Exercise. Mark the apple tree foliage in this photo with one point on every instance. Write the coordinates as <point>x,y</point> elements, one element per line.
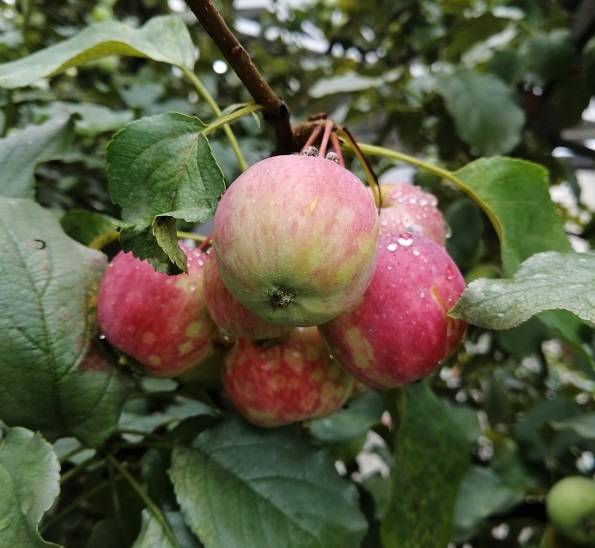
<point>113,134</point>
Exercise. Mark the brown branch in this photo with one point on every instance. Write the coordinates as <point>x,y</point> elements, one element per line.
<point>275,111</point>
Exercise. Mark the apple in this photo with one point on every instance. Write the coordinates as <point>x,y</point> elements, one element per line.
<point>400,331</point>
<point>571,508</point>
<point>295,239</point>
<point>280,382</point>
<point>407,208</point>
<point>233,319</point>
<point>161,321</point>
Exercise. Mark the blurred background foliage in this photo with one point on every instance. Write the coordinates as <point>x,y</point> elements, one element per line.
<point>445,80</point>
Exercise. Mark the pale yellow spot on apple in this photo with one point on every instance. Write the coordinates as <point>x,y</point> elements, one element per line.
<point>438,299</point>
<point>261,417</point>
<point>312,206</point>
<point>294,359</point>
<point>276,382</point>
<point>193,329</point>
<point>185,347</point>
<point>310,400</point>
<point>154,360</point>
<point>149,338</point>
<point>361,349</point>
<point>329,392</point>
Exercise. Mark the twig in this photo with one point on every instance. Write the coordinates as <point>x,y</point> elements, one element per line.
<point>152,507</point>
<point>204,93</point>
<point>80,498</point>
<point>328,128</point>
<point>275,111</point>
<point>312,139</point>
<point>337,149</point>
<point>81,466</point>
<point>360,154</point>
<point>231,117</point>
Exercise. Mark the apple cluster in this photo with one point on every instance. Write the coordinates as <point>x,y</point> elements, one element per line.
<point>310,285</point>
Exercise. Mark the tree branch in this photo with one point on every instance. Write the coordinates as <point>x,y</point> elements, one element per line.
<point>275,111</point>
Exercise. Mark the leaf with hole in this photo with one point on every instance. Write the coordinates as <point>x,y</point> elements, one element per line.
<point>49,284</point>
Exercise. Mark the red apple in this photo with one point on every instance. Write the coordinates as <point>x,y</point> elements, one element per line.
<point>233,319</point>
<point>293,379</point>
<point>407,208</point>
<point>295,238</point>
<point>161,321</point>
<point>400,331</point>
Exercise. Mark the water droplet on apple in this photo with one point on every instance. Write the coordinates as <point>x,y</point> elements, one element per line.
<point>405,239</point>
<point>392,247</point>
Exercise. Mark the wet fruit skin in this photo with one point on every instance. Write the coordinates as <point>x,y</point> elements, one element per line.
<point>161,321</point>
<point>286,381</point>
<point>571,509</point>
<point>295,238</point>
<point>407,208</point>
<point>399,331</point>
<point>233,319</point>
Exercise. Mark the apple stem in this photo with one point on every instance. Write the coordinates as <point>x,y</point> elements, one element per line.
<point>337,149</point>
<point>373,183</point>
<point>312,139</point>
<point>275,111</point>
<point>207,242</point>
<point>328,128</point>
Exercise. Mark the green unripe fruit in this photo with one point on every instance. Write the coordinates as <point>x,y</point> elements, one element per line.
<point>571,508</point>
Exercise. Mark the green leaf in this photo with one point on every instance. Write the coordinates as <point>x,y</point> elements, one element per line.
<point>467,32</point>
<point>514,194</point>
<point>164,39</point>
<point>178,410</point>
<point>239,486</point>
<point>360,415</point>
<point>153,536</point>
<point>90,228</point>
<point>164,230</point>
<point>583,425</point>
<point>162,166</point>
<point>483,493</point>
<point>344,83</point>
<point>483,108</point>
<point>549,55</point>
<point>431,458</point>
<point>29,485</point>
<point>466,223</point>
<point>92,119</point>
<point>22,150</point>
<point>539,441</point>
<point>48,285</point>
<point>545,281</point>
